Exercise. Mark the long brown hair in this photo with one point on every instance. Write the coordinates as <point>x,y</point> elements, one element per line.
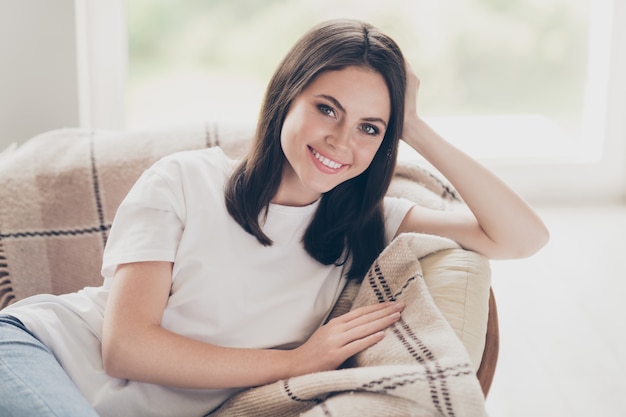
<point>348,223</point>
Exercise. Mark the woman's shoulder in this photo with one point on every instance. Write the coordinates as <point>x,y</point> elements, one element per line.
<point>395,210</point>
<point>205,157</point>
<point>189,169</point>
<point>192,162</point>
<point>396,204</point>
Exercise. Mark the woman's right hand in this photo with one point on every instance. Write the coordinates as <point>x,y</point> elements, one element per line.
<point>344,336</point>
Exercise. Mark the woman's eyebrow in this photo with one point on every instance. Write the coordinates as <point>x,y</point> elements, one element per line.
<point>333,100</point>
<point>376,119</point>
<point>337,104</point>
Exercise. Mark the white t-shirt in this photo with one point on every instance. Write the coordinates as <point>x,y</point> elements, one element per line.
<point>227,289</point>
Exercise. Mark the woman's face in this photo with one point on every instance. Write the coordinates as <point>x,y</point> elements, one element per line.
<point>331,132</point>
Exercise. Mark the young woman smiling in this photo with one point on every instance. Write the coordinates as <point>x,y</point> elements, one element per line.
<point>219,274</point>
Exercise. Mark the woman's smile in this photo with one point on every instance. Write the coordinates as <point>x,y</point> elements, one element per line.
<point>334,166</point>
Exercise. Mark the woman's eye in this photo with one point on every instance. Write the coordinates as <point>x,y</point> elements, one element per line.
<point>327,110</point>
<point>370,130</point>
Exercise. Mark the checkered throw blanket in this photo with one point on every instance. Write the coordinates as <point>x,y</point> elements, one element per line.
<point>59,193</point>
<point>58,196</point>
<point>420,368</point>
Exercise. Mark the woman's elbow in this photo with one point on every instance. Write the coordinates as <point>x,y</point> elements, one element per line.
<point>121,352</point>
<point>540,238</point>
<point>112,357</point>
<point>523,246</point>
<point>531,243</point>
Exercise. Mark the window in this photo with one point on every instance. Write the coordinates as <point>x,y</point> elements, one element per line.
<point>522,85</point>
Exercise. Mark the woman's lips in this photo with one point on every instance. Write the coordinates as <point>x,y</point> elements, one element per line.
<point>327,162</point>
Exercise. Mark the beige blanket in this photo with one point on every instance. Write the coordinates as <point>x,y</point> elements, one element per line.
<point>58,196</point>
<point>59,193</point>
<point>420,368</point>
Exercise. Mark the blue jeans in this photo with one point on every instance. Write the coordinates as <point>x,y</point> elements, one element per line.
<point>32,382</point>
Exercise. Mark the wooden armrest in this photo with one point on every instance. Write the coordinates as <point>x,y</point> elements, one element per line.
<point>489,360</point>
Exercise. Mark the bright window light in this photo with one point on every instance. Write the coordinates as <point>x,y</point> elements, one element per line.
<point>503,80</point>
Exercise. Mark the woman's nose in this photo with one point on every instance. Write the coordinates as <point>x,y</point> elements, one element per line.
<point>338,138</point>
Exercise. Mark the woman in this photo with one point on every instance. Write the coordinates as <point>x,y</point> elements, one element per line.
<point>218,275</point>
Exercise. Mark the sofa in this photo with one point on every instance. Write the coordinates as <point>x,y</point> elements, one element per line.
<point>59,192</point>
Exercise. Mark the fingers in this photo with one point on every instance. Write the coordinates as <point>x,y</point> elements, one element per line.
<point>377,310</point>
<point>368,329</point>
<point>347,335</point>
<point>370,314</point>
<point>371,323</point>
<point>412,88</point>
<point>409,68</point>
<point>411,75</point>
<point>366,321</point>
<point>361,344</point>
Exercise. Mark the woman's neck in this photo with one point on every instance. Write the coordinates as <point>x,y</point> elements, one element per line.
<point>291,192</point>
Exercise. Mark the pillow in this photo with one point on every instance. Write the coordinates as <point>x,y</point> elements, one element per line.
<point>459,282</point>
<point>8,151</point>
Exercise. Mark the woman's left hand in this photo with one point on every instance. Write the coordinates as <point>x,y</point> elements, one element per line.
<point>412,88</point>
<point>411,130</point>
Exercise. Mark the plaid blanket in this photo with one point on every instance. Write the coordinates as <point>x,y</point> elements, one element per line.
<point>419,369</point>
<point>58,196</point>
<point>59,193</point>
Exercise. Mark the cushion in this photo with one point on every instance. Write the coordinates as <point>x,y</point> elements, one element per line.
<point>8,151</point>
<point>459,282</point>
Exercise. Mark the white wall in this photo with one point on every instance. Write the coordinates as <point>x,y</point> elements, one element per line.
<point>62,64</point>
<point>38,72</point>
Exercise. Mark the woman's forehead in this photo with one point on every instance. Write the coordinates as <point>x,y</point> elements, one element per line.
<point>355,88</point>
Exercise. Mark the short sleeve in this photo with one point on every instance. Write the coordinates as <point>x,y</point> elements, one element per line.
<point>149,222</point>
<point>395,210</point>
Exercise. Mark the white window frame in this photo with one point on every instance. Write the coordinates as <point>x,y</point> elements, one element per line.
<point>590,170</point>
<point>102,61</point>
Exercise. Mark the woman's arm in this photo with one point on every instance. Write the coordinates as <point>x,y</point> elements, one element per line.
<point>136,347</point>
<point>499,223</point>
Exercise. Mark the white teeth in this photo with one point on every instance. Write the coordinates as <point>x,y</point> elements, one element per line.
<point>326,161</point>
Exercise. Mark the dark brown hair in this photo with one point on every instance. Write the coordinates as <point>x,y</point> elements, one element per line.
<point>348,223</point>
